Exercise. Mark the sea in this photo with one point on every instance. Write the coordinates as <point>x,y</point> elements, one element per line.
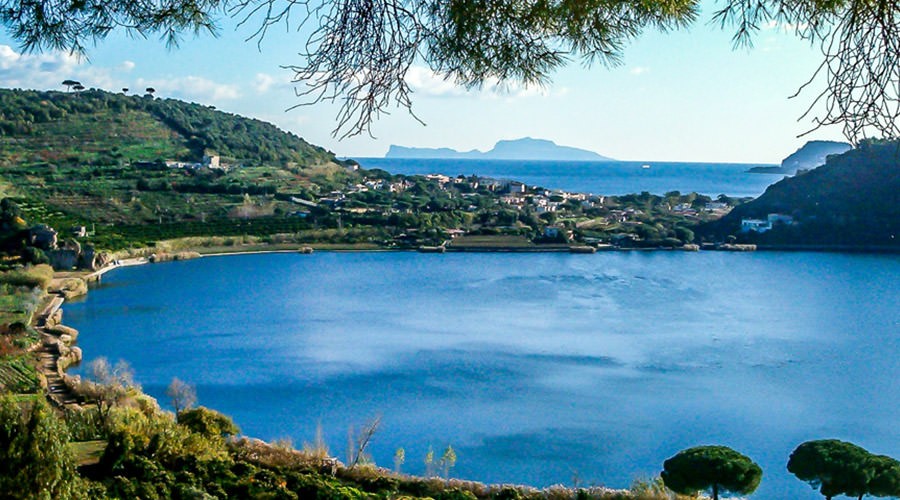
<point>537,369</point>
<point>602,178</point>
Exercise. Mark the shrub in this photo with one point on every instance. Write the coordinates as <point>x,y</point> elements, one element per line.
<point>206,422</point>
<point>38,276</point>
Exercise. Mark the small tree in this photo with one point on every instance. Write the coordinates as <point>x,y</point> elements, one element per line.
<point>69,83</point>
<point>399,458</point>
<point>182,395</point>
<point>711,468</point>
<point>835,467</point>
<point>109,387</point>
<point>358,442</point>
<point>448,460</point>
<point>429,462</point>
<point>150,91</point>
<point>78,87</point>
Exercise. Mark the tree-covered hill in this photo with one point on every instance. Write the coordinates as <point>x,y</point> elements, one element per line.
<point>98,127</point>
<point>852,200</point>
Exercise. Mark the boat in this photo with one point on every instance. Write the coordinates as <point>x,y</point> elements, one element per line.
<point>645,166</point>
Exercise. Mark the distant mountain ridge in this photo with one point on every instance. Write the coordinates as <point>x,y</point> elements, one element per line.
<point>811,155</point>
<point>525,148</point>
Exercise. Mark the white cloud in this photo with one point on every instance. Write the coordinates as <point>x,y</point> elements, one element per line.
<point>191,88</point>
<point>424,81</point>
<point>784,27</point>
<point>263,82</point>
<point>639,70</point>
<point>48,70</point>
<point>8,56</point>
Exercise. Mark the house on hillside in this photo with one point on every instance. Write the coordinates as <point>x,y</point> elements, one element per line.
<point>761,226</point>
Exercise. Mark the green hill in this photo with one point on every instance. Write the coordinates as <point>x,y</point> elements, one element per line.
<point>98,159</point>
<point>99,127</point>
<point>852,200</point>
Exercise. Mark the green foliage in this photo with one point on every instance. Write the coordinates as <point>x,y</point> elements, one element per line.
<point>85,424</point>
<point>886,479</point>
<point>711,468</point>
<point>208,423</point>
<point>111,128</point>
<point>38,276</point>
<point>455,494</point>
<point>35,461</point>
<point>841,468</point>
<point>18,374</point>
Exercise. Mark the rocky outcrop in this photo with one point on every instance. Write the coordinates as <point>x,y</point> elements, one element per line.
<point>72,255</point>
<point>167,257</point>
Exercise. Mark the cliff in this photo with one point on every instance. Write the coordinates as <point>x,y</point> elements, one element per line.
<point>808,157</point>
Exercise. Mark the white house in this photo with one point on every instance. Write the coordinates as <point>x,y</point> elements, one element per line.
<point>758,225</point>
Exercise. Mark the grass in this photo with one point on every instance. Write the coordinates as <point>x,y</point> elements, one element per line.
<point>492,241</point>
<point>88,452</point>
<point>38,276</point>
<point>17,304</point>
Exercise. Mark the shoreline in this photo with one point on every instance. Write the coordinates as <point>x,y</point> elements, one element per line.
<point>205,252</point>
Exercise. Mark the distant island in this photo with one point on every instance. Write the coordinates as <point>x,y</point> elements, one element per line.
<point>525,148</point>
<point>808,157</point>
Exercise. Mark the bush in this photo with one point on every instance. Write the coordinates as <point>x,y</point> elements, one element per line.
<point>456,494</point>
<point>208,423</point>
<point>38,276</point>
<point>35,256</point>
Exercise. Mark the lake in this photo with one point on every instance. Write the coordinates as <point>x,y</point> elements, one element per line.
<point>605,177</point>
<point>537,368</point>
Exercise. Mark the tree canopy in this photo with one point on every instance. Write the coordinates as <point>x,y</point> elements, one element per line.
<point>841,468</point>
<point>359,51</point>
<point>711,468</point>
<point>35,460</point>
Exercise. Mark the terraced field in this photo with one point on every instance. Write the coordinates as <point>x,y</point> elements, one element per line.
<point>18,374</point>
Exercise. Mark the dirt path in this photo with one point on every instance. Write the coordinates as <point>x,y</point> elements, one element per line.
<point>48,358</point>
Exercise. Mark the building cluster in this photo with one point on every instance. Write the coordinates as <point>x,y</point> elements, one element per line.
<point>762,225</point>
<point>208,161</point>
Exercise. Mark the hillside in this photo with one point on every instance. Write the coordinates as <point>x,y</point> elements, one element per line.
<point>98,127</point>
<point>525,148</point>
<point>854,200</point>
<point>809,156</point>
<point>99,159</point>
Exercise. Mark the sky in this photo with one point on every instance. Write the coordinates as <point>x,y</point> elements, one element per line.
<point>681,96</point>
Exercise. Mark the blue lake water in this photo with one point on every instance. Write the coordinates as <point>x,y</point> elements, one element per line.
<point>608,178</point>
<point>535,367</point>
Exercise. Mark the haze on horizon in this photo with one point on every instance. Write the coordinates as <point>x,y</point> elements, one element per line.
<point>684,96</point>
